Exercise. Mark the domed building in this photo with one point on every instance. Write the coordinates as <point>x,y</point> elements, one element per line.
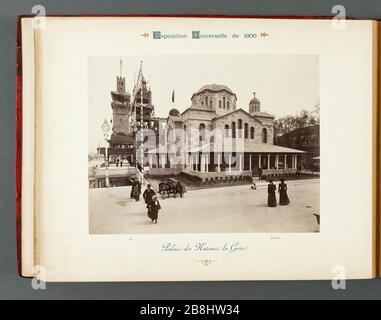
<point>231,143</point>
<point>174,113</point>
<point>254,105</point>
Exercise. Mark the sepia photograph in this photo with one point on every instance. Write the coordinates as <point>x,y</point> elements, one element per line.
<point>204,144</point>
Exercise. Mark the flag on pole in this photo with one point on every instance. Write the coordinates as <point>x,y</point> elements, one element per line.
<point>173,96</point>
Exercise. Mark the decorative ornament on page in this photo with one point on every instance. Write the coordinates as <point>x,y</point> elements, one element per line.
<point>206,262</point>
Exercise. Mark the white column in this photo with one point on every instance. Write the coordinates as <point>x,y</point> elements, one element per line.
<point>107,178</point>
<point>296,161</point>
<point>293,162</point>
<point>219,163</point>
<point>207,164</point>
<point>250,162</point>
<point>151,161</point>
<point>277,161</point>
<point>260,161</point>
<point>268,162</point>
<point>285,161</point>
<point>163,161</point>
<point>230,163</point>
<point>240,162</point>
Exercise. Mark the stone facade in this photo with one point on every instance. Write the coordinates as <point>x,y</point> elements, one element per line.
<point>215,107</point>
<point>120,107</point>
<point>223,140</point>
<point>130,112</point>
<point>217,98</point>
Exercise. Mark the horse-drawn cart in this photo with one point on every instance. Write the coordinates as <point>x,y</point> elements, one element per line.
<point>170,187</point>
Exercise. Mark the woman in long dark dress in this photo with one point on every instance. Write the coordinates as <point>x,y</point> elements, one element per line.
<point>283,197</point>
<point>136,191</point>
<point>153,209</point>
<point>132,189</point>
<point>271,199</point>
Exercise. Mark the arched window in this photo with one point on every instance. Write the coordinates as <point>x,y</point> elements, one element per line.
<point>228,105</point>
<point>240,128</point>
<point>264,135</point>
<point>233,130</point>
<point>224,99</point>
<point>220,104</point>
<point>226,131</point>
<point>206,101</point>
<point>210,103</point>
<point>252,132</point>
<point>246,131</point>
<point>202,132</point>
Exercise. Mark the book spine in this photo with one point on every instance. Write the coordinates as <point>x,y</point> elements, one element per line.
<point>377,147</point>
<point>19,144</point>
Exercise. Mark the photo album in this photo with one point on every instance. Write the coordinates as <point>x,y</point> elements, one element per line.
<point>168,148</point>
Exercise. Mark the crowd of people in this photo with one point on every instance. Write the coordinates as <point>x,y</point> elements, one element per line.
<point>153,205</point>
<point>150,197</point>
<point>120,162</point>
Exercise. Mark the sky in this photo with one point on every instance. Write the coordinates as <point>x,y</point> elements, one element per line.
<point>285,84</point>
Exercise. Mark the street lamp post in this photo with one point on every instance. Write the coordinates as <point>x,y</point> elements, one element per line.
<point>106,128</point>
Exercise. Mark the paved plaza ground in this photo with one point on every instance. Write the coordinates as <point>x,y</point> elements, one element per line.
<point>236,209</point>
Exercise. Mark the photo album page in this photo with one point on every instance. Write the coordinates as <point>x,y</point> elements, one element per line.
<point>198,149</point>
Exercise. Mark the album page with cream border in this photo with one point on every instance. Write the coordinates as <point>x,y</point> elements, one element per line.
<point>199,73</point>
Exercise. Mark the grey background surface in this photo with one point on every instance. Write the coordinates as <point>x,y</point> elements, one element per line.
<point>14,287</point>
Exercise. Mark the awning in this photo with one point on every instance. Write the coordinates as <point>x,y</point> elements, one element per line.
<point>246,147</point>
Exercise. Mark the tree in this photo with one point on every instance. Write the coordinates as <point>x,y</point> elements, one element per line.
<point>302,119</point>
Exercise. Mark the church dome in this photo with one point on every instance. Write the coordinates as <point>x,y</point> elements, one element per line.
<point>255,104</point>
<point>174,113</point>
<point>255,100</point>
<point>214,88</point>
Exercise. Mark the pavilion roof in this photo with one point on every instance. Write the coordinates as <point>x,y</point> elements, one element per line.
<point>247,146</point>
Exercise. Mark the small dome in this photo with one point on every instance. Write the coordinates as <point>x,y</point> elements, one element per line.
<point>174,113</point>
<point>255,100</point>
<point>255,104</point>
